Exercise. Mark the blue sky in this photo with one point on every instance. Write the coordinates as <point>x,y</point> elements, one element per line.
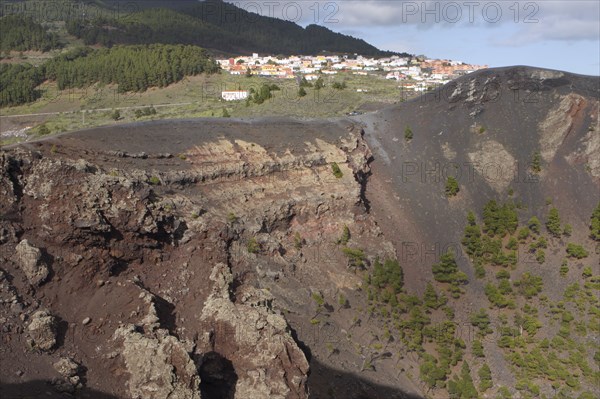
<point>552,34</point>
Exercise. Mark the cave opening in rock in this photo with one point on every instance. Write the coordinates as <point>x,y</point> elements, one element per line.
<point>218,377</point>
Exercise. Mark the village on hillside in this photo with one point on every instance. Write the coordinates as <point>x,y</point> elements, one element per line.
<point>416,73</point>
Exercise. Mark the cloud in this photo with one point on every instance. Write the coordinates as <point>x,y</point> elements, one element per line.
<point>529,21</point>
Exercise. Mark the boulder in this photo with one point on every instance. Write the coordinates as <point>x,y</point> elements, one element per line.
<point>42,330</point>
<point>30,260</point>
<point>66,367</point>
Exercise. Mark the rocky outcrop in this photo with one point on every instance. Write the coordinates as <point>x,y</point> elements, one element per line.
<point>557,124</point>
<point>43,330</point>
<point>494,164</point>
<point>159,364</point>
<point>101,217</point>
<point>30,260</point>
<point>269,363</point>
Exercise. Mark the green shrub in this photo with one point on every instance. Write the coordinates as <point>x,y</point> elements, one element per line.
<point>356,256</point>
<point>523,233</point>
<point>564,268</point>
<point>43,130</point>
<point>298,241</point>
<point>452,187</point>
<point>345,237</point>
<point>342,301</point>
<point>253,246</point>
<point>495,296</point>
<point>595,224</point>
<point>154,180</point>
<point>408,134</point>
<point>540,256</point>
<point>337,172</point>
<point>481,320</point>
<point>318,298</point>
<point>529,285</point>
<point>576,251</point>
<point>231,217</point>
<point>149,111</point>
<point>503,274</point>
<point>512,243</point>
<point>504,393</point>
<point>504,287</point>
<point>587,272</point>
<point>534,224</point>
<point>536,162</point>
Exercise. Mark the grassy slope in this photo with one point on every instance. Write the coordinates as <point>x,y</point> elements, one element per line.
<point>199,96</point>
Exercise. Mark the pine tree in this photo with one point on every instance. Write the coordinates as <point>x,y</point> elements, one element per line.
<point>595,224</point>
<point>445,271</point>
<point>485,378</point>
<point>536,162</point>
<point>534,224</point>
<point>478,349</point>
<point>553,222</point>
<point>462,387</point>
<point>430,297</point>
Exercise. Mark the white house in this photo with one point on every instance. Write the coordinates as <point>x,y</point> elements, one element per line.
<point>233,95</point>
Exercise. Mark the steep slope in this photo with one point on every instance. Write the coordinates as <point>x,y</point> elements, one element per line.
<point>485,129</point>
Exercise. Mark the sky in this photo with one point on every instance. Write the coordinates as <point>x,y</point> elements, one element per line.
<point>563,35</point>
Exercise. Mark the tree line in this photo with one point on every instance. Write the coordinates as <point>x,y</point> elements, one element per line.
<point>18,83</point>
<point>132,68</point>
<point>20,33</point>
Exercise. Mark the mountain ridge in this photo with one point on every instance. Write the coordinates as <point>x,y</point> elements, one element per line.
<point>218,26</point>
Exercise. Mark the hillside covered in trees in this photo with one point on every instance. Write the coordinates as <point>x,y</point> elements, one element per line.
<point>133,68</point>
<point>204,25</point>
<point>21,33</point>
<point>18,83</point>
